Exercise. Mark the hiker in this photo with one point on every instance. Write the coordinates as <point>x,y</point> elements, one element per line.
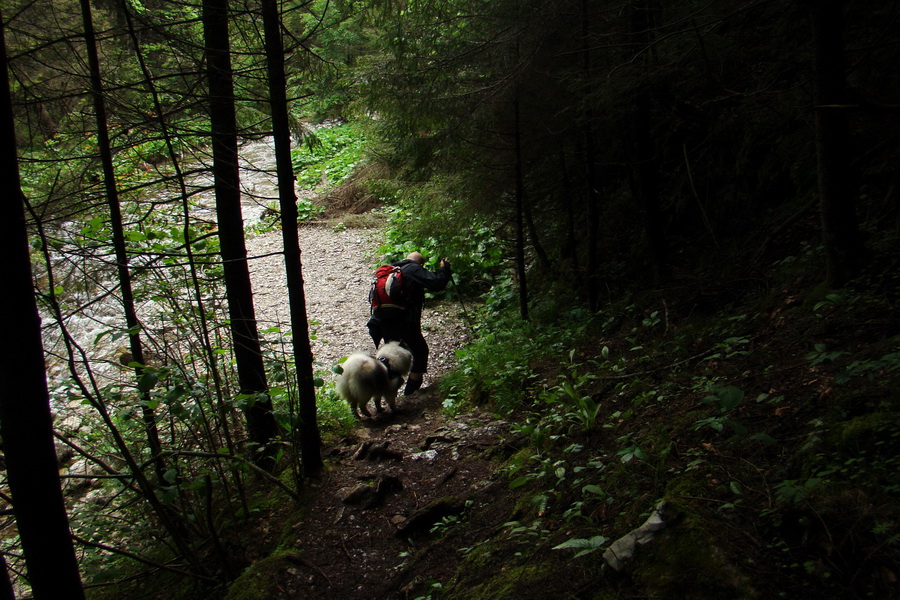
<point>404,324</point>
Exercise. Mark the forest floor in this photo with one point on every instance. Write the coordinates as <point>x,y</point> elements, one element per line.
<point>729,405</point>
<point>366,530</point>
<point>398,475</point>
<point>417,504</point>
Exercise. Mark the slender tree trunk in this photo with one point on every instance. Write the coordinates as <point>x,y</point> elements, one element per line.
<point>539,252</point>
<point>25,422</point>
<point>569,251</point>
<point>844,249</point>
<point>520,217</point>
<point>112,198</point>
<point>646,167</point>
<point>646,188</point>
<point>310,441</point>
<point>169,519</point>
<point>203,329</point>
<point>261,424</point>
<point>6,588</point>
<point>592,257</point>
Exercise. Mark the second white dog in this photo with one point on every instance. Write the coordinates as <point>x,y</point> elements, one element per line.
<point>366,378</point>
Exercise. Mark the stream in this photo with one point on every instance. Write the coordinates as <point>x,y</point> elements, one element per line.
<point>337,265</point>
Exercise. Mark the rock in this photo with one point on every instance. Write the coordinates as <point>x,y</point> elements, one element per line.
<point>437,439</point>
<point>428,455</point>
<point>447,476</point>
<point>357,494</point>
<point>388,484</point>
<point>623,549</point>
<point>371,495</point>
<point>376,452</point>
<point>424,518</point>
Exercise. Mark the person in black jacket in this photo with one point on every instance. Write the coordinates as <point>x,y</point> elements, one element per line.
<point>405,324</point>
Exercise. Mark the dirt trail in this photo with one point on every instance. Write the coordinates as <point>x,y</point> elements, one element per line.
<point>337,272</point>
<point>367,531</point>
<point>371,529</point>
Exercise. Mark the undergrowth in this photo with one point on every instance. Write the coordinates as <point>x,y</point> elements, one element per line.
<point>769,428</point>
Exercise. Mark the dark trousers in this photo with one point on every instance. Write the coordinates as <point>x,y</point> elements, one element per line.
<point>405,326</point>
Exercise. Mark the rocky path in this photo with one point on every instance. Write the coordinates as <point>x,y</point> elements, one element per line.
<point>399,475</point>
<point>337,272</point>
<point>401,478</point>
<point>381,521</point>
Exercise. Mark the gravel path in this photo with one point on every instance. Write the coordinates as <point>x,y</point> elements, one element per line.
<point>338,266</point>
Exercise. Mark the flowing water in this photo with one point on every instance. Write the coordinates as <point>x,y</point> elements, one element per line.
<point>92,302</point>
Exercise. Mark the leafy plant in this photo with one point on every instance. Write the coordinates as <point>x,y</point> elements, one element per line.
<point>583,545</point>
<point>725,398</point>
<point>794,491</point>
<point>821,355</point>
<point>869,368</point>
<point>571,391</point>
<point>631,451</point>
<point>329,155</point>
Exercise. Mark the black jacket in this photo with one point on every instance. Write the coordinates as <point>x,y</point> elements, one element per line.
<point>417,279</point>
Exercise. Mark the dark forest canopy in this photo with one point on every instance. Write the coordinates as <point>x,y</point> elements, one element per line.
<point>581,161</point>
<point>632,136</point>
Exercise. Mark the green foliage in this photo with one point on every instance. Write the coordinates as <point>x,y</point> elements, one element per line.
<point>494,370</point>
<point>329,155</point>
<point>821,354</point>
<point>334,415</point>
<point>260,580</point>
<point>422,219</point>
<point>573,392</point>
<point>583,546</point>
<point>726,399</point>
<point>869,368</point>
<point>339,33</point>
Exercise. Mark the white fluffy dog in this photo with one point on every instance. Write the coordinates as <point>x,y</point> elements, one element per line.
<point>366,378</point>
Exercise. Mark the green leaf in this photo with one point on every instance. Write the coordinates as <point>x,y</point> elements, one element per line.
<point>593,489</point>
<point>147,381</point>
<point>518,482</point>
<point>584,546</point>
<point>764,438</point>
<point>729,397</point>
<point>739,428</point>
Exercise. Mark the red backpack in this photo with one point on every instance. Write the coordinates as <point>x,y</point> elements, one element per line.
<point>387,288</point>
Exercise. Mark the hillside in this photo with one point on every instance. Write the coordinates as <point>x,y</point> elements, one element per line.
<point>763,427</point>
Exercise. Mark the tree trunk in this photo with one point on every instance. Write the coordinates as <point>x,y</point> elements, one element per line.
<point>261,424</point>
<point>592,256</point>
<point>112,198</point>
<point>310,441</point>
<point>25,422</point>
<point>646,168</point>
<point>646,188</point>
<point>844,249</point>
<point>520,217</point>
<point>6,588</point>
